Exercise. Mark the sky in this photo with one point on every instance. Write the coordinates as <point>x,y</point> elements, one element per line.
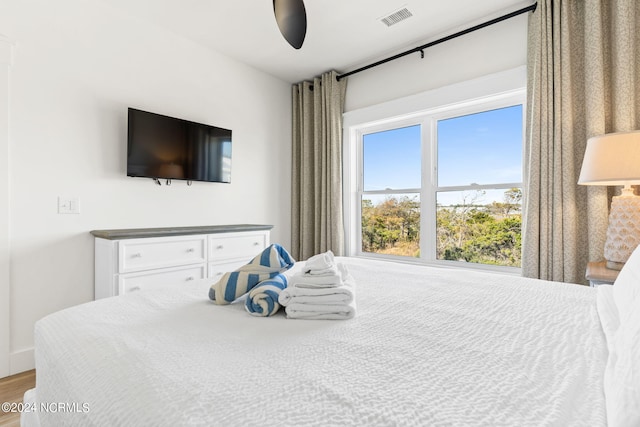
<point>481,148</point>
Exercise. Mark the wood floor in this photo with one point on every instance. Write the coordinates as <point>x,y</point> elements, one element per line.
<point>11,390</point>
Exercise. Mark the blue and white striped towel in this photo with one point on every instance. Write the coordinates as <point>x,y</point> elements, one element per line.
<point>273,260</point>
<point>262,300</point>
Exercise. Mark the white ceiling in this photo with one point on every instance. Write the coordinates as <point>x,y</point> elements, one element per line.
<point>341,34</point>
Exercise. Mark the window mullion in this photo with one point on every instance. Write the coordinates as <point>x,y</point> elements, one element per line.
<point>394,191</point>
<point>428,195</point>
<point>480,187</point>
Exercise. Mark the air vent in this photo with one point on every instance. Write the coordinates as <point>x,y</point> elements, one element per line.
<point>396,17</point>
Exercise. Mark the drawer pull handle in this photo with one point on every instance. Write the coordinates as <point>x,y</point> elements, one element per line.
<point>135,288</point>
<point>191,250</point>
<point>219,247</point>
<point>138,255</point>
<point>256,244</point>
<point>190,278</point>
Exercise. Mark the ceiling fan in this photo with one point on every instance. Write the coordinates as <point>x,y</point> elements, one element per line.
<point>291,17</point>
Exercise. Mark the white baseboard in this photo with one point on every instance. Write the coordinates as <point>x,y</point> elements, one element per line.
<point>21,361</point>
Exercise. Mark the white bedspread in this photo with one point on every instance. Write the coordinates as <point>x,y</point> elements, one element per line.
<point>428,347</point>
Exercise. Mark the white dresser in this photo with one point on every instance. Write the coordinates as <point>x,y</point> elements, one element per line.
<point>133,259</point>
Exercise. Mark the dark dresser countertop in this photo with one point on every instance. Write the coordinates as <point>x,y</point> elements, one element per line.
<point>135,233</point>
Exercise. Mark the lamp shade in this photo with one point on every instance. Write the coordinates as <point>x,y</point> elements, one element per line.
<point>612,159</point>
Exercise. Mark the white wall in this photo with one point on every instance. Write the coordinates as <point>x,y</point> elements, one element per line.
<point>78,65</point>
<point>500,47</point>
<point>6,51</point>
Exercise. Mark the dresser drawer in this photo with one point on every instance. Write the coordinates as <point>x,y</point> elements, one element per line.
<point>145,280</point>
<point>216,270</point>
<point>229,246</point>
<point>152,253</point>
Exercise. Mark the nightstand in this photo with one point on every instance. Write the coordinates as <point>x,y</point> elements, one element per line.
<point>599,274</point>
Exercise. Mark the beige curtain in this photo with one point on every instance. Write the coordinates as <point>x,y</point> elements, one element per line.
<point>583,80</point>
<point>316,206</point>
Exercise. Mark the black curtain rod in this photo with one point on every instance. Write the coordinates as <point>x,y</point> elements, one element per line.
<point>443,39</point>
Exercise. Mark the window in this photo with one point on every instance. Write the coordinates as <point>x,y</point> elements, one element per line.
<point>479,190</point>
<point>443,186</point>
<point>390,200</point>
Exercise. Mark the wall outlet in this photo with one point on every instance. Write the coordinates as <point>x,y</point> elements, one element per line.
<point>68,205</point>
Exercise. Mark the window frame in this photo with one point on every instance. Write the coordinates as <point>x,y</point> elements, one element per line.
<point>428,122</point>
<point>360,133</point>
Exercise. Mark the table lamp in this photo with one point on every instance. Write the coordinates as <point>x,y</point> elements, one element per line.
<point>614,159</point>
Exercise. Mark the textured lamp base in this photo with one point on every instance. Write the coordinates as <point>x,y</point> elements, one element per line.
<point>623,233</point>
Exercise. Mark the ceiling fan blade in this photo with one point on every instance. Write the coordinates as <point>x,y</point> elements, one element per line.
<point>291,17</point>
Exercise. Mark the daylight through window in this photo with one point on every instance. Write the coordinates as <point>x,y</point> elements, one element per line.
<point>391,197</point>
<point>445,186</point>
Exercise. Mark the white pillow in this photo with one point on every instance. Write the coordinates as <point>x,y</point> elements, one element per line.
<point>627,286</point>
<point>622,374</point>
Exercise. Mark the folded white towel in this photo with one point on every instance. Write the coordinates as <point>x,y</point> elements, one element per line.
<point>329,271</point>
<point>320,262</point>
<point>343,294</point>
<point>321,311</point>
<point>307,281</point>
<point>298,268</point>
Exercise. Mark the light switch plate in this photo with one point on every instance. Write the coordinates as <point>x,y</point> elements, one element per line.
<point>68,205</point>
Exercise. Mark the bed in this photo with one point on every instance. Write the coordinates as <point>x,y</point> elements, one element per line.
<point>428,347</point>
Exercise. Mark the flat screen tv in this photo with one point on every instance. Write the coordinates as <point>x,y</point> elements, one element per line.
<point>162,147</point>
